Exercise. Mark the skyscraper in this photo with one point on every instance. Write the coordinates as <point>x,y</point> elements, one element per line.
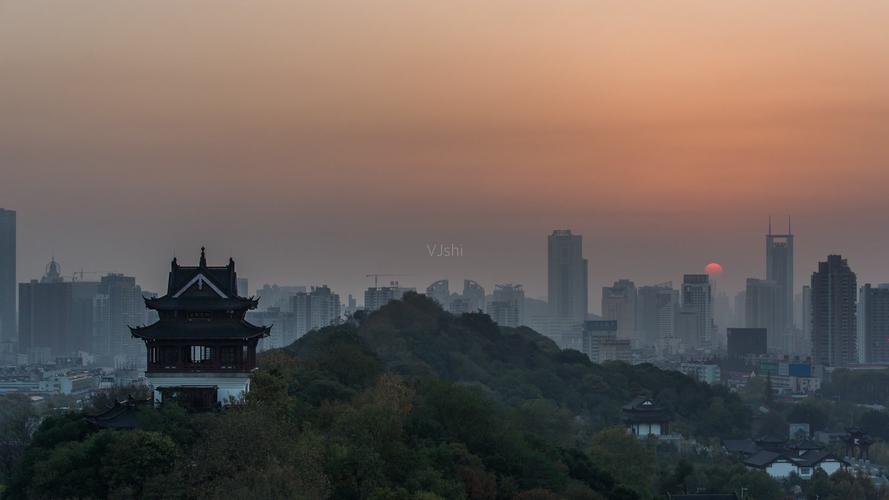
<point>657,308</point>
<point>761,311</point>
<point>8,327</point>
<point>873,317</point>
<point>779,269</point>
<point>316,309</point>
<point>697,300</point>
<point>126,308</point>
<point>440,292</point>
<point>56,316</point>
<point>834,325</point>
<point>378,296</point>
<point>507,305</point>
<point>567,276</point>
<point>619,304</point>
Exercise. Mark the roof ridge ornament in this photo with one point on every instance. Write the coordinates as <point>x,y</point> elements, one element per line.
<point>203,262</point>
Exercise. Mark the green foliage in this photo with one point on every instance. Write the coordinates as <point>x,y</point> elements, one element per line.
<point>412,403</point>
<point>18,421</point>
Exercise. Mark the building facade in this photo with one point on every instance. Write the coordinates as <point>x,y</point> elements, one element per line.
<point>567,276</point>
<point>697,308</point>
<point>761,310</point>
<point>8,325</point>
<point>619,304</point>
<point>779,269</point>
<point>201,351</point>
<point>834,321</point>
<point>56,315</point>
<point>873,314</point>
<point>379,296</point>
<point>507,305</point>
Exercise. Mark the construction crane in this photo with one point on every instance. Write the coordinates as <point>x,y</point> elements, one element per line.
<point>377,276</point>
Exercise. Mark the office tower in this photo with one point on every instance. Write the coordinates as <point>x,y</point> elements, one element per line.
<point>834,325</point>
<point>806,314</point>
<point>55,315</point>
<point>440,292</point>
<point>746,342</point>
<point>779,269</point>
<point>127,309</point>
<point>567,275</point>
<point>474,296</point>
<point>657,309</point>
<point>277,296</point>
<point>697,312</point>
<point>378,296</point>
<point>8,328</point>
<point>351,306</point>
<point>600,342</point>
<point>873,320</point>
<point>619,304</point>
<point>761,311</point>
<point>316,309</point>
<point>507,305</point>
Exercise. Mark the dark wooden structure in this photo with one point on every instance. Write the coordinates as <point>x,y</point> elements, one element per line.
<point>201,350</point>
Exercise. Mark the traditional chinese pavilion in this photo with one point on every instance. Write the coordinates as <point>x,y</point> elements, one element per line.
<point>643,417</point>
<point>201,351</point>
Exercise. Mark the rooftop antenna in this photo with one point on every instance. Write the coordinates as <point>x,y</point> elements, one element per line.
<point>770,225</point>
<point>788,225</point>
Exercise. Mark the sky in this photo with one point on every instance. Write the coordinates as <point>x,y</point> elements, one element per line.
<point>319,141</point>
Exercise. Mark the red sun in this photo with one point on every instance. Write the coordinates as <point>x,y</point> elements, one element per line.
<point>714,269</point>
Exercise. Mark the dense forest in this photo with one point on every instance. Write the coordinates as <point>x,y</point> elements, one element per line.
<point>409,403</point>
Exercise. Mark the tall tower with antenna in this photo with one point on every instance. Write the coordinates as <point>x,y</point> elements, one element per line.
<point>779,268</point>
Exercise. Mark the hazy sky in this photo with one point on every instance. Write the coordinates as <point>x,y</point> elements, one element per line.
<point>318,141</point>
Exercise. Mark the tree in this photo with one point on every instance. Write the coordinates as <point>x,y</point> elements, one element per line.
<point>18,421</point>
<point>630,462</point>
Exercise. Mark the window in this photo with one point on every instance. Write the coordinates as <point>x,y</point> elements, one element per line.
<point>153,355</point>
<point>199,354</point>
<point>169,356</point>
<point>227,356</point>
<point>198,316</point>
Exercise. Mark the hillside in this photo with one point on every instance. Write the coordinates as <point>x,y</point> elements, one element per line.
<point>410,403</point>
<point>417,339</point>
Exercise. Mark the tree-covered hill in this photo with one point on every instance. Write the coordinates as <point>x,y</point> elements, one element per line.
<point>417,339</point>
<point>408,403</point>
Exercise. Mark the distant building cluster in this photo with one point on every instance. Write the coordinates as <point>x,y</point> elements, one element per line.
<point>694,327</point>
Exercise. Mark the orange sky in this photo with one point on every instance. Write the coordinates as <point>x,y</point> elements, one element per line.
<point>319,141</point>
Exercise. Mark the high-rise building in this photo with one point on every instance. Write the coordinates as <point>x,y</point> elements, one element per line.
<point>806,313</point>
<point>697,302</point>
<point>8,328</point>
<point>55,315</point>
<point>315,309</point>
<point>440,292</point>
<point>567,276</point>
<point>126,309</point>
<point>619,304</point>
<point>474,296</point>
<point>834,323</point>
<point>507,305</point>
<point>779,269</point>
<point>277,296</point>
<point>378,296</point>
<point>873,319</point>
<point>761,311</point>
<point>657,308</point>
